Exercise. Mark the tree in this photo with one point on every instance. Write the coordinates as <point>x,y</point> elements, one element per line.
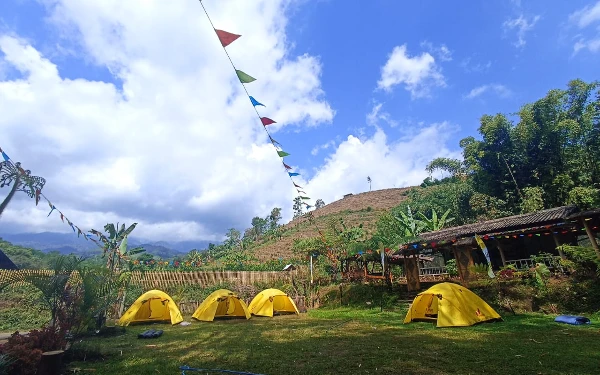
<point>21,180</point>
<point>434,223</point>
<point>233,239</point>
<point>259,226</point>
<point>369,181</point>
<point>319,204</point>
<point>298,211</point>
<point>118,266</point>
<point>274,218</point>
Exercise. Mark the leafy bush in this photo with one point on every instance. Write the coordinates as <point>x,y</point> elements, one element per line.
<point>451,267</point>
<point>585,261</point>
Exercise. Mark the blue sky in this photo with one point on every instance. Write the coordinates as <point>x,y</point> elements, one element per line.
<point>99,96</point>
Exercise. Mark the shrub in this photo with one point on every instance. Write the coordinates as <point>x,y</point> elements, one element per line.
<point>451,267</point>
<point>26,351</point>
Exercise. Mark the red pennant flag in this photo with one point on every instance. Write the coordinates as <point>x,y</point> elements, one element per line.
<point>274,142</point>
<point>287,166</point>
<point>226,38</point>
<point>62,217</point>
<point>37,196</point>
<point>266,121</point>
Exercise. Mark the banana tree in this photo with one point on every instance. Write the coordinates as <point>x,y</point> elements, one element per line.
<point>118,264</point>
<point>435,223</point>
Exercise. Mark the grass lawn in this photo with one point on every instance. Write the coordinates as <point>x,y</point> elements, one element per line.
<point>353,341</point>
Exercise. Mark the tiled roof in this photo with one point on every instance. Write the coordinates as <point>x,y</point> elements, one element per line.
<point>550,216</point>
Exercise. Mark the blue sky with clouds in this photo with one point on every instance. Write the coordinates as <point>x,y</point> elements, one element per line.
<point>131,110</point>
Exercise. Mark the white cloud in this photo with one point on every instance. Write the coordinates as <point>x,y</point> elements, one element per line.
<point>583,18</point>
<point>522,25</point>
<point>315,151</point>
<point>179,145</point>
<point>442,52</point>
<point>500,90</point>
<point>388,163</point>
<point>376,115</point>
<point>419,74</point>
<point>586,15</point>
<point>474,67</point>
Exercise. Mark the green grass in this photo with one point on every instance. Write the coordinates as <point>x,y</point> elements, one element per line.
<point>354,341</point>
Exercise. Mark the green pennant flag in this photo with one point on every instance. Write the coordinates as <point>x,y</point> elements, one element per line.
<point>244,78</point>
<point>305,197</point>
<point>282,154</point>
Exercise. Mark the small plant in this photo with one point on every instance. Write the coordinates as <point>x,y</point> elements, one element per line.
<point>451,267</point>
<point>26,351</point>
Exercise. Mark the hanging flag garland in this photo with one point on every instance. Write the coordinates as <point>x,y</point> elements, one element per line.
<point>39,195</point>
<point>226,38</point>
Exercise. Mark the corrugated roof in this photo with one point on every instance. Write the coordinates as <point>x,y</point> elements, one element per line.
<point>548,216</point>
<point>589,213</point>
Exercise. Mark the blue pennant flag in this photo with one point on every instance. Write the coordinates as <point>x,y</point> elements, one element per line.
<point>415,246</point>
<point>52,209</point>
<point>292,174</point>
<point>256,102</point>
<point>6,158</point>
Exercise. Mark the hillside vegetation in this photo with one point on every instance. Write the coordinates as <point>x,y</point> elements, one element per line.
<point>364,208</point>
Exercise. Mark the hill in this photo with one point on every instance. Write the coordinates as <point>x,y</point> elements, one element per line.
<point>364,208</point>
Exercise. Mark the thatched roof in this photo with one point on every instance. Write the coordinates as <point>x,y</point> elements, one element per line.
<point>510,223</point>
<point>6,263</point>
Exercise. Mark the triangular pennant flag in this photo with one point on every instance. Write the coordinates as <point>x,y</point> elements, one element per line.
<point>274,142</point>
<point>71,224</point>
<point>304,197</point>
<point>6,158</point>
<point>282,154</point>
<point>79,231</point>
<point>226,38</point>
<point>292,174</point>
<point>37,196</point>
<point>287,166</point>
<point>300,191</point>
<point>308,206</point>
<point>266,121</point>
<point>52,208</point>
<point>298,186</point>
<point>244,78</point>
<point>255,102</point>
<point>62,217</point>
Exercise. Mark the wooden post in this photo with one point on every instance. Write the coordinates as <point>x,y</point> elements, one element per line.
<point>501,253</point>
<point>558,244</point>
<point>464,260</point>
<point>592,237</point>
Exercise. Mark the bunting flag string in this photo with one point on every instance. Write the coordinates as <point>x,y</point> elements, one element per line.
<point>226,38</point>
<point>39,195</point>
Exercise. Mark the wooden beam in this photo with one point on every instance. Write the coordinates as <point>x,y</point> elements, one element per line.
<point>501,253</point>
<point>558,245</point>
<point>592,237</point>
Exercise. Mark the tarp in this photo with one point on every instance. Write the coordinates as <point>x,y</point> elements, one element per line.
<point>271,301</point>
<point>221,303</point>
<point>572,319</point>
<point>451,305</point>
<point>152,306</point>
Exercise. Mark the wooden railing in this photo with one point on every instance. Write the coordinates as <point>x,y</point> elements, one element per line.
<point>527,263</point>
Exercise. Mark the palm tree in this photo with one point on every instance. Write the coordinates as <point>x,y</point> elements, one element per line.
<point>369,181</point>
<point>21,180</point>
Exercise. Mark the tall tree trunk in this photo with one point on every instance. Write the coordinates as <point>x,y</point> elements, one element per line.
<point>10,195</point>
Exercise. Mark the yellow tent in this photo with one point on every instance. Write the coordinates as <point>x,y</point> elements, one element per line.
<point>221,303</point>
<point>451,305</point>
<point>152,306</point>
<point>271,301</point>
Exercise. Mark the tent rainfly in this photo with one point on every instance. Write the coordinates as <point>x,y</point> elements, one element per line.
<point>152,306</point>
<point>221,303</point>
<point>450,305</point>
<point>272,301</point>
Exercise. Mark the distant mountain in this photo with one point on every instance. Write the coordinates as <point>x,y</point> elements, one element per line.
<point>69,243</point>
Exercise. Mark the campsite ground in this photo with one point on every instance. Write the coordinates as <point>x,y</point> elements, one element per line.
<point>351,341</point>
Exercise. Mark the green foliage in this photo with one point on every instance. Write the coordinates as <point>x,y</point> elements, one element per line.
<point>297,207</point>
<point>451,267</point>
<point>434,223</point>
<point>533,199</point>
<point>585,264</point>
<point>24,257</point>
<point>584,197</point>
